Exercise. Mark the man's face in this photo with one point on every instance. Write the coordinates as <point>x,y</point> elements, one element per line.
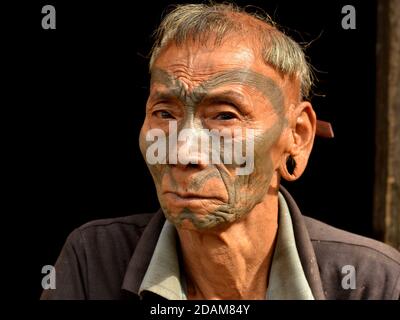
<point>214,87</point>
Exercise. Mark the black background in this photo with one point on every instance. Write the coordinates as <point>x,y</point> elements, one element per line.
<point>77,104</point>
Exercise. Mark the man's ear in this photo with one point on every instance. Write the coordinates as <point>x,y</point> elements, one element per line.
<point>301,140</point>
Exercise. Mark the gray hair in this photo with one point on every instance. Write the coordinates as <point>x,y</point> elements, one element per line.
<point>199,21</point>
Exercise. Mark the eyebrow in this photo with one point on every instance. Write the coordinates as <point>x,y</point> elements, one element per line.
<point>261,83</point>
<point>172,94</point>
<point>165,95</point>
<point>237,100</point>
<point>227,94</point>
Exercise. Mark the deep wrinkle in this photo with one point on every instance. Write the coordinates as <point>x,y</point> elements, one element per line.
<point>244,192</point>
<point>201,178</point>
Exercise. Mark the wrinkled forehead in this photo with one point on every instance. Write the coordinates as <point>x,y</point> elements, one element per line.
<point>232,62</point>
<point>200,58</point>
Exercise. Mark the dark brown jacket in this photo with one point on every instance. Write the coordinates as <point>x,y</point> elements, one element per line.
<point>107,259</point>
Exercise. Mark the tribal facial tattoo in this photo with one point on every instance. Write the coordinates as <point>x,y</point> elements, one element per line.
<point>200,196</point>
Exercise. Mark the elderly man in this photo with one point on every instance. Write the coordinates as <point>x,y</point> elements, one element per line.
<point>226,229</point>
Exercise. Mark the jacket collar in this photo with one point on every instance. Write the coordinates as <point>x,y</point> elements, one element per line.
<point>141,257</point>
<point>143,253</point>
<point>304,247</point>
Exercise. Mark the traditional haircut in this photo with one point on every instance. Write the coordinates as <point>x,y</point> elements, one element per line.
<point>199,22</point>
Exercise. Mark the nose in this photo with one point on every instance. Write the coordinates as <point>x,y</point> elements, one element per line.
<point>192,149</point>
<point>191,162</point>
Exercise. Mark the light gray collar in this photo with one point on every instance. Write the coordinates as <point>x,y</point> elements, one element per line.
<point>163,276</point>
<point>287,280</point>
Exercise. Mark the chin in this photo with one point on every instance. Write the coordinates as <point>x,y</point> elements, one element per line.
<point>203,219</point>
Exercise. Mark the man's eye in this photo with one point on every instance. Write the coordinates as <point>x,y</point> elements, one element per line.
<point>226,116</point>
<point>162,114</point>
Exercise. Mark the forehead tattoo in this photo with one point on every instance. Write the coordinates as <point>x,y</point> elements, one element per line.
<point>262,83</point>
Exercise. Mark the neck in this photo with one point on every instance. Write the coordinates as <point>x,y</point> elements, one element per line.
<point>234,262</point>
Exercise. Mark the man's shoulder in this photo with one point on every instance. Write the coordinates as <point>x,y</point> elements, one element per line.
<point>139,220</point>
<point>376,265</point>
<point>95,257</point>
<point>324,234</point>
<point>111,233</point>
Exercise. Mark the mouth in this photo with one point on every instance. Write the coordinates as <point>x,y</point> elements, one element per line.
<point>190,196</point>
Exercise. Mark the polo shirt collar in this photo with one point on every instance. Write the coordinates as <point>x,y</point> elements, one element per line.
<point>287,280</point>
<point>163,276</point>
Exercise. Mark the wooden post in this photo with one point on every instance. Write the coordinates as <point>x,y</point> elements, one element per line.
<point>387,160</point>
